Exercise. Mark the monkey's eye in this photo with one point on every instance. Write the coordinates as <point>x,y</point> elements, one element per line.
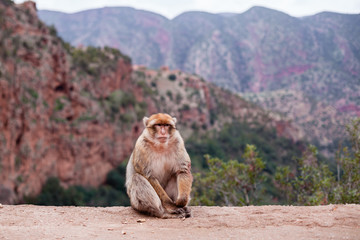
<point>162,125</point>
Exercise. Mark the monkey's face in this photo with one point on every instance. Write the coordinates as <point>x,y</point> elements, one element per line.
<point>162,132</point>
<point>160,126</point>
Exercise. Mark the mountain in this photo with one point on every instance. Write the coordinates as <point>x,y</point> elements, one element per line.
<point>265,55</point>
<point>75,113</point>
<point>139,32</point>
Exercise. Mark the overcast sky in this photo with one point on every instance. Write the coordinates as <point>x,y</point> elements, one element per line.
<point>170,9</point>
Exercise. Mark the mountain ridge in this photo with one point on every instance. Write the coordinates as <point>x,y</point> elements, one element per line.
<point>224,14</point>
<point>257,51</point>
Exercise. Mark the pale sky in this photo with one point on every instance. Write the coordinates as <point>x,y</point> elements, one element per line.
<point>171,9</point>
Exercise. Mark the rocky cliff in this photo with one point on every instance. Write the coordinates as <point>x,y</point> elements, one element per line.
<point>75,113</point>
<point>48,125</point>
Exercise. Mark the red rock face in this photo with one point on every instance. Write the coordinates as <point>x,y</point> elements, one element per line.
<point>47,126</point>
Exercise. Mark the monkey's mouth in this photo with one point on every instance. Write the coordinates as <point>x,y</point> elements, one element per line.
<point>162,139</point>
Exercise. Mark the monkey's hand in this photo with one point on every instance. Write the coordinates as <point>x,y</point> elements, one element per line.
<point>168,203</point>
<point>182,201</point>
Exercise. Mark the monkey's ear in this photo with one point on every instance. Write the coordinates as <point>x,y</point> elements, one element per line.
<point>174,119</point>
<point>145,121</point>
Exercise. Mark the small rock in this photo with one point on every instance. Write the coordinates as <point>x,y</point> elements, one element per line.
<point>123,232</point>
<point>1,206</point>
<point>141,220</point>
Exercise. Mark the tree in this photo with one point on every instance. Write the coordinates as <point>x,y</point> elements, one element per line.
<point>229,183</point>
<point>348,176</point>
<point>312,183</point>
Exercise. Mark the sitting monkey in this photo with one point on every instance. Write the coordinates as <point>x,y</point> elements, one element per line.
<point>158,177</point>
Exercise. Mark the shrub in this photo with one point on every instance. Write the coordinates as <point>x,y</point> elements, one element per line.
<point>313,183</point>
<point>172,77</point>
<point>229,183</point>
<point>59,105</point>
<point>112,193</point>
<point>169,94</point>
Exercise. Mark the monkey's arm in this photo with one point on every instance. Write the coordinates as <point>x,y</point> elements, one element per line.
<point>165,199</point>
<point>184,182</point>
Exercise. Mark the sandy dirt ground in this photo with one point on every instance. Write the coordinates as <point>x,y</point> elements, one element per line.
<point>254,222</point>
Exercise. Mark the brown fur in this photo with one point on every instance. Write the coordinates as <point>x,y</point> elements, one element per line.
<point>158,174</point>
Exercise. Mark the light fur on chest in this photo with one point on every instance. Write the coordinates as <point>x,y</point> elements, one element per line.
<point>163,166</point>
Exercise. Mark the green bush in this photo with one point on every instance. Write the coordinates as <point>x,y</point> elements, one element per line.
<point>348,160</point>
<point>229,183</point>
<point>112,193</point>
<point>95,60</point>
<point>233,137</point>
<point>169,94</point>
<point>172,77</point>
<point>310,185</point>
<point>59,105</point>
<point>53,31</point>
<point>312,182</point>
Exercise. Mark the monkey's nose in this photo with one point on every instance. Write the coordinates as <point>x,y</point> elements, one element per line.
<point>163,132</point>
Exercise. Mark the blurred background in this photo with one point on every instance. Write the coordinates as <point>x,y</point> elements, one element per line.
<point>267,97</point>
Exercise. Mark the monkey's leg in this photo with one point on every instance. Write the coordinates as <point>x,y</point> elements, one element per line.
<point>144,198</point>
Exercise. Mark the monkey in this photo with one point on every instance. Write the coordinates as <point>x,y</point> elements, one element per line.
<point>158,173</point>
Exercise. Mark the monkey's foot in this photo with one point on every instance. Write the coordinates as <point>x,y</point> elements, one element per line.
<point>183,212</point>
<point>187,212</point>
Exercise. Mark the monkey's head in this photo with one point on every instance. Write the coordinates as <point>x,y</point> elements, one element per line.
<point>160,126</point>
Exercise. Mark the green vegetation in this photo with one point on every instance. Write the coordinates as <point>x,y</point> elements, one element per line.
<point>58,105</point>
<point>247,180</point>
<point>229,183</point>
<point>313,183</point>
<point>172,77</point>
<point>229,142</point>
<point>169,94</point>
<point>112,193</point>
<point>145,87</point>
<point>185,107</point>
<point>33,93</point>
<point>85,117</point>
<point>95,60</point>
<point>53,31</point>
<point>18,161</point>
<point>122,106</point>
<point>308,181</point>
<point>7,2</point>
<point>120,98</point>
<point>117,99</point>
<point>179,98</point>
